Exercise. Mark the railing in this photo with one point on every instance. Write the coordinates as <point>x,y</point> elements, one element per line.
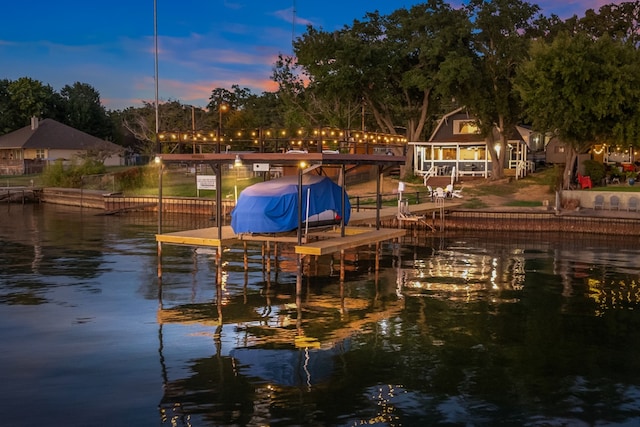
<point>368,201</point>
<point>433,171</point>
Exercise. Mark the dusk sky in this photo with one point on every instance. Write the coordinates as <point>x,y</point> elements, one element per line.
<point>203,44</point>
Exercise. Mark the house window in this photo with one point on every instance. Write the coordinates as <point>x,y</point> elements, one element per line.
<point>472,153</point>
<point>445,153</point>
<point>40,153</point>
<point>559,149</point>
<point>465,127</point>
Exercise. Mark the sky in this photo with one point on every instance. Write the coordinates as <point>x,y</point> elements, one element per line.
<point>202,45</point>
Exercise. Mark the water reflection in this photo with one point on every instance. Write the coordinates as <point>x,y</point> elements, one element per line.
<point>456,329</point>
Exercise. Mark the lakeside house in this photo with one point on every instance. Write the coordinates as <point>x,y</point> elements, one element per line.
<point>29,149</point>
<point>457,148</point>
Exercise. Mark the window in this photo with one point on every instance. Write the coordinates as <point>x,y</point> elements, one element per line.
<point>40,153</point>
<point>445,153</point>
<point>465,127</point>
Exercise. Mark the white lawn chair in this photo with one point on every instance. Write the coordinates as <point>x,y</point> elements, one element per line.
<point>451,193</point>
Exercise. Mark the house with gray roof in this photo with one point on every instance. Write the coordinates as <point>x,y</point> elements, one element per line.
<point>29,149</point>
<point>456,148</point>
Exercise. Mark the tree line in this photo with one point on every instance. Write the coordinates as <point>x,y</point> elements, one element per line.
<point>503,60</point>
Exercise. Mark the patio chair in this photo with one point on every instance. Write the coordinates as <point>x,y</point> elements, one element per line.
<point>439,193</point>
<point>451,193</point>
<point>584,181</point>
<point>614,203</point>
<point>632,205</point>
<point>598,202</point>
<point>430,190</point>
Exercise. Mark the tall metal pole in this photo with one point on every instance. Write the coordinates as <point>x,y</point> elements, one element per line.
<point>193,128</point>
<point>155,38</point>
<point>157,129</point>
<point>219,125</point>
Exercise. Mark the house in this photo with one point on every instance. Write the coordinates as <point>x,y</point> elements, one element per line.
<point>456,149</point>
<point>29,149</point>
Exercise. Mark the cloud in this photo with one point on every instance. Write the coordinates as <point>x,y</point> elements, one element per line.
<point>287,15</point>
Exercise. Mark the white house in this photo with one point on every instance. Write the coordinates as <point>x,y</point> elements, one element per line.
<point>456,147</point>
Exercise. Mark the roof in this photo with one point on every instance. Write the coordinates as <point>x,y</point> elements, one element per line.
<point>443,133</point>
<point>52,135</point>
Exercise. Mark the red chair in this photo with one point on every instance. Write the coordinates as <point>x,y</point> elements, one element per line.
<point>585,182</point>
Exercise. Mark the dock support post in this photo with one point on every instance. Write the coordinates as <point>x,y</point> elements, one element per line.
<point>246,257</point>
<point>269,258</point>
<point>219,265</point>
<point>159,260</point>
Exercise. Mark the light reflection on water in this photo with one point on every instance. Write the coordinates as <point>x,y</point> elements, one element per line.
<point>458,330</point>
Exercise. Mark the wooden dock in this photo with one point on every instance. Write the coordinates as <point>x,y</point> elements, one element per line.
<point>315,243</point>
<point>361,231</point>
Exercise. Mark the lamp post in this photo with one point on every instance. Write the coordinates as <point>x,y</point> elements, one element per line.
<point>221,108</point>
<point>193,128</point>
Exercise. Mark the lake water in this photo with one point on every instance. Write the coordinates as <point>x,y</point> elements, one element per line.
<point>463,329</point>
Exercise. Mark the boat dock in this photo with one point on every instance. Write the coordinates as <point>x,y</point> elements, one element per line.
<point>364,225</point>
<point>315,243</point>
<point>361,231</point>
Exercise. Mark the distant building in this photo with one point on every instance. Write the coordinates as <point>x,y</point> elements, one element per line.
<point>29,149</point>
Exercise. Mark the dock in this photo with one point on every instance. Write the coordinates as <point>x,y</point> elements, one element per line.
<point>364,226</point>
<point>361,231</point>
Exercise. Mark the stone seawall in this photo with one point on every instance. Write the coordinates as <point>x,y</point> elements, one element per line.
<point>618,223</point>
<point>116,202</point>
<point>542,222</point>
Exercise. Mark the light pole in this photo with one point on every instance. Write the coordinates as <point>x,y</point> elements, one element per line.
<point>193,128</point>
<point>221,108</point>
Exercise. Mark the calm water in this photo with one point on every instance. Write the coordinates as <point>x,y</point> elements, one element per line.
<point>461,330</point>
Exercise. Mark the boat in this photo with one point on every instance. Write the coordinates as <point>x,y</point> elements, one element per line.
<point>272,206</point>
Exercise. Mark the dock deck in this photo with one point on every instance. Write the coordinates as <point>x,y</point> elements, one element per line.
<point>359,232</point>
<point>316,243</point>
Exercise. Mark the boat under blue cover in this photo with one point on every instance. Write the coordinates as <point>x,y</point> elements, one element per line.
<point>272,206</point>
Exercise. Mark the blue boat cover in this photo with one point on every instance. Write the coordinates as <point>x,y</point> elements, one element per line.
<point>272,206</point>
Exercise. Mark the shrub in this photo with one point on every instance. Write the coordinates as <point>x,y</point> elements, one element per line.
<point>70,176</point>
<point>595,170</point>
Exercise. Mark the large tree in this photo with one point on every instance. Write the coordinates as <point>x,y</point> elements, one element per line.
<point>585,90</point>
<point>503,30</point>
<point>84,111</point>
<point>25,98</point>
<point>394,64</point>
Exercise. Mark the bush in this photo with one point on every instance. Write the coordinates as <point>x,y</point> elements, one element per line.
<point>59,175</point>
<point>595,170</point>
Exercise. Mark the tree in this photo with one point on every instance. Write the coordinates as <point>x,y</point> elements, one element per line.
<point>32,98</point>
<point>7,113</point>
<point>618,21</point>
<point>503,32</point>
<point>584,90</point>
<point>392,70</point>
<point>398,65</point>
<point>84,111</point>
